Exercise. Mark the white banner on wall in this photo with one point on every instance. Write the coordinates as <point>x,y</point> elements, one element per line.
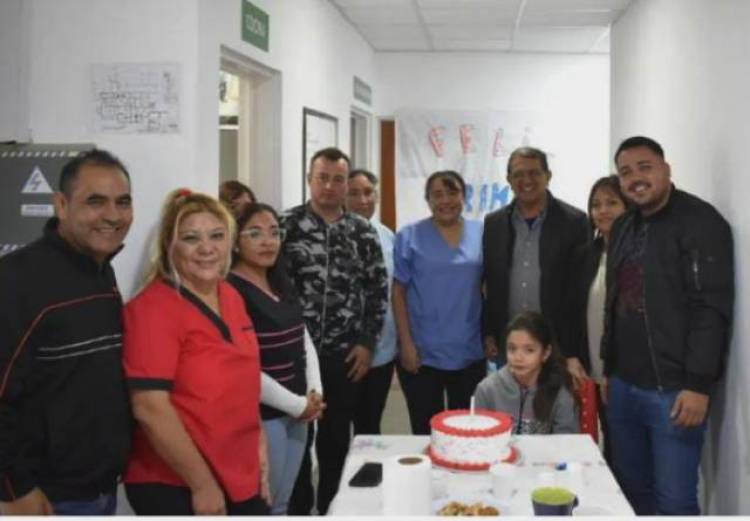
<point>474,143</point>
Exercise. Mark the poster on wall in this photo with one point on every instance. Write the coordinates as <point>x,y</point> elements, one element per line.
<point>319,130</point>
<point>476,144</point>
<point>29,176</point>
<point>136,98</point>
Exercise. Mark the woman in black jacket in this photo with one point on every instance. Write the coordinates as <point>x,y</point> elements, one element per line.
<point>588,287</point>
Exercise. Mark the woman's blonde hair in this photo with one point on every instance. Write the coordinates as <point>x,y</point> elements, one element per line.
<point>180,204</point>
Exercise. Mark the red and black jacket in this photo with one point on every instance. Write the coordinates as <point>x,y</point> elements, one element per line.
<point>65,423</point>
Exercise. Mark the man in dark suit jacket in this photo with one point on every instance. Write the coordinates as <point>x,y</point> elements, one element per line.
<point>527,248</point>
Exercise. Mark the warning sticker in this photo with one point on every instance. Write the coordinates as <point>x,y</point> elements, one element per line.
<point>37,183</point>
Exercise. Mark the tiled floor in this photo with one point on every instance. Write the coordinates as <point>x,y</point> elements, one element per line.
<point>395,417</point>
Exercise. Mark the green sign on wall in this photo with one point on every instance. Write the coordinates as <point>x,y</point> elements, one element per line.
<point>255,25</point>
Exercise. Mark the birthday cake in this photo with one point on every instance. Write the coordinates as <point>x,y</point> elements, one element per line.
<point>466,441</point>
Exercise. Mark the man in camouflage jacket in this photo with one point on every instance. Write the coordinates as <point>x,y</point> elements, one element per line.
<point>336,263</point>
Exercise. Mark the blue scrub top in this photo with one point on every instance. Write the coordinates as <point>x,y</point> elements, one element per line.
<point>444,299</point>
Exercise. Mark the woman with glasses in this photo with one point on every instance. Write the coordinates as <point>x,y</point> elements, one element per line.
<point>291,393</point>
<point>437,303</point>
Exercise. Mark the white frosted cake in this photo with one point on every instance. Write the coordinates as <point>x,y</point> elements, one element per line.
<point>470,442</point>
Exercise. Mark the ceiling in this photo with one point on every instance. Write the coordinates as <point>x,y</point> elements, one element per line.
<point>518,26</point>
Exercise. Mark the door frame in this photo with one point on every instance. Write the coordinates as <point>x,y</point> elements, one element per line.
<point>259,144</point>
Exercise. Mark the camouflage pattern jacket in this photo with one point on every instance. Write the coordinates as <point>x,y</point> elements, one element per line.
<point>339,273</point>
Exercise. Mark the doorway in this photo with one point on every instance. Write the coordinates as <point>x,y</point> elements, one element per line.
<point>388,173</point>
<point>250,125</point>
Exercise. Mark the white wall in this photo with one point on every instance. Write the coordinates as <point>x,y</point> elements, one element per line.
<point>680,75</point>
<point>318,54</point>
<point>315,50</point>
<point>66,37</point>
<point>14,69</point>
<point>571,91</point>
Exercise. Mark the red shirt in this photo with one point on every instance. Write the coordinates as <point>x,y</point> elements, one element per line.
<point>210,366</point>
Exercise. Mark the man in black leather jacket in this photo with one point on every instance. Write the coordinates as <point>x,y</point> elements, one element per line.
<point>670,295</point>
<point>527,248</point>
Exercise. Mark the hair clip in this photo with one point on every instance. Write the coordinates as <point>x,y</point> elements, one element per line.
<point>183,192</point>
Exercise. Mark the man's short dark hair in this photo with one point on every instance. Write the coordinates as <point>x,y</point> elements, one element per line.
<point>640,141</point>
<point>364,173</point>
<point>331,154</point>
<point>95,157</point>
<point>529,153</point>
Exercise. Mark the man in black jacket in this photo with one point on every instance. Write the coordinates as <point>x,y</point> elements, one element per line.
<point>65,424</point>
<point>669,305</point>
<point>527,248</point>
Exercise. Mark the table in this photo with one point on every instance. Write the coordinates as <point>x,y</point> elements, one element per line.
<point>600,494</point>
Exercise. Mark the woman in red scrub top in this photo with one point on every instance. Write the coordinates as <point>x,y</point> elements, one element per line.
<point>192,363</point>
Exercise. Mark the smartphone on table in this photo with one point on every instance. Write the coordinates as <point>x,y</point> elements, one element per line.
<point>369,474</point>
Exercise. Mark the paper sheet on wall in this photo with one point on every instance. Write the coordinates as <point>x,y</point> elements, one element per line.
<point>138,98</point>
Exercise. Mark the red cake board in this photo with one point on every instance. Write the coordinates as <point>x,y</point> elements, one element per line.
<point>512,458</point>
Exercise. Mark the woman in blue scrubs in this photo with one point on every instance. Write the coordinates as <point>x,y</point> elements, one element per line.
<point>437,304</point>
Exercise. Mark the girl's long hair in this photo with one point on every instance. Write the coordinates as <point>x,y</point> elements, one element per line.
<point>277,275</point>
<point>554,374</point>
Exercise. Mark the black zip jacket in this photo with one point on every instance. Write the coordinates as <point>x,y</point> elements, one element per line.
<point>564,228</point>
<point>688,287</point>
<point>65,423</point>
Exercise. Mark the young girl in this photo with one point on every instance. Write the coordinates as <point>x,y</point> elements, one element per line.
<point>534,386</point>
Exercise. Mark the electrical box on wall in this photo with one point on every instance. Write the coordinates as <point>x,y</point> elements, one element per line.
<point>29,176</point>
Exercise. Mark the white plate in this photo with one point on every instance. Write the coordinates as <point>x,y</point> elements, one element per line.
<point>485,499</point>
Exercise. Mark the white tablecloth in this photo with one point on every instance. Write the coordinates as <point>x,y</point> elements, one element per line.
<point>600,494</point>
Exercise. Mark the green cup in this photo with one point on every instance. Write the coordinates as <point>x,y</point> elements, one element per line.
<point>553,501</point>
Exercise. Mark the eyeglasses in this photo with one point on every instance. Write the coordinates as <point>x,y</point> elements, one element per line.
<point>325,178</point>
<point>257,235</point>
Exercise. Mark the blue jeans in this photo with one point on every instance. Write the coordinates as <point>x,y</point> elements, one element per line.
<point>104,505</point>
<point>286,446</point>
<point>655,462</point>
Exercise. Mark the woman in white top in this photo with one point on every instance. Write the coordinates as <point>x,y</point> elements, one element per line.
<point>588,289</point>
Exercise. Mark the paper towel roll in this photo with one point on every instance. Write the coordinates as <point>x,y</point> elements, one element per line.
<point>407,486</point>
